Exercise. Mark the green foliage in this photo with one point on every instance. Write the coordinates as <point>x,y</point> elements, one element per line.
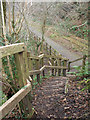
<point>1,41</point>
<point>82,73</point>
<point>86,82</point>
<point>7,72</point>
<point>53,35</point>
<point>3,98</point>
<point>80,31</point>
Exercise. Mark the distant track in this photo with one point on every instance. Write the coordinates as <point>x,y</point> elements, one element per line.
<point>61,49</point>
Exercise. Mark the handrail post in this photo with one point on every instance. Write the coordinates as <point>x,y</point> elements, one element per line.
<point>64,65</point>
<point>39,47</point>
<point>28,55</point>
<point>46,48</point>
<point>83,63</point>
<point>23,74</point>
<point>52,65</point>
<point>59,63</point>
<point>69,66</point>
<point>43,72</point>
<point>37,68</point>
<point>56,69</point>
<point>55,62</point>
<point>31,66</point>
<point>50,50</point>
<point>55,52</point>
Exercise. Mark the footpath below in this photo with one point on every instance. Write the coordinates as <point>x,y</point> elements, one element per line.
<point>60,48</point>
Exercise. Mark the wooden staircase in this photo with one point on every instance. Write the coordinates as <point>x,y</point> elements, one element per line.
<point>49,61</point>
<point>27,68</point>
<point>47,96</point>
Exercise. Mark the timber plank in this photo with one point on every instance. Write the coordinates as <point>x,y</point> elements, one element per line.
<point>23,75</point>
<point>61,67</point>
<point>11,49</point>
<point>34,72</point>
<point>10,104</point>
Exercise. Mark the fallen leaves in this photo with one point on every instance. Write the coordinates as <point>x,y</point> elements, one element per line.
<point>55,104</point>
<point>72,105</point>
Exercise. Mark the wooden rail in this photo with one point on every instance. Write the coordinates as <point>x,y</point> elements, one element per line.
<point>11,49</point>
<point>20,53</point>
<point>83,62</point>
<point>27,66</point>
<point>53,62</point>
<point>34,72</point>
<point>10,104</point>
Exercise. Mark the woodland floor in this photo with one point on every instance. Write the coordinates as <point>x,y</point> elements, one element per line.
<point>50,100</point>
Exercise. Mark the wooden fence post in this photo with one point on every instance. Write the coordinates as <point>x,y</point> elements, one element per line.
<point>69,66</point>
<point>59,64</point>
<point>23,74</point>
<point>64,65</point>
<point>56,62</point>
<point>37,68</point>
<point>28,55</point>
<point>46,48</point>
<point>56,69</point>
<point>83,63</point>
<point>43,72</point>
<point>52,65</point>
<point>31,66</point>
<point>50,50</point>
<point>55,52</point>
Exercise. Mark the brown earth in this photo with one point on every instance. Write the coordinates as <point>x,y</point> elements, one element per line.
<point>50,100</point>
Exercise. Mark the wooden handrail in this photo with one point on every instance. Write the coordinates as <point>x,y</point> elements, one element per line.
<point>10,104</point>
<point>58,56</point>
<point>76,60</point>
<point>35,72</point>
<point>20,53</point>
<point>58,67</point>
<point>82,58</point>
<point>79,58</point>
<point>11,49</point>
<point>23,71</point>
<point>36,57</point>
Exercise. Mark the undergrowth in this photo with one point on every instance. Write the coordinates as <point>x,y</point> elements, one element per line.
<point>82,75</point>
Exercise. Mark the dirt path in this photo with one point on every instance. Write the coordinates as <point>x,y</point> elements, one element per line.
<point>50,100</point>
<point>47,96</point>
<point>60,48</point>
